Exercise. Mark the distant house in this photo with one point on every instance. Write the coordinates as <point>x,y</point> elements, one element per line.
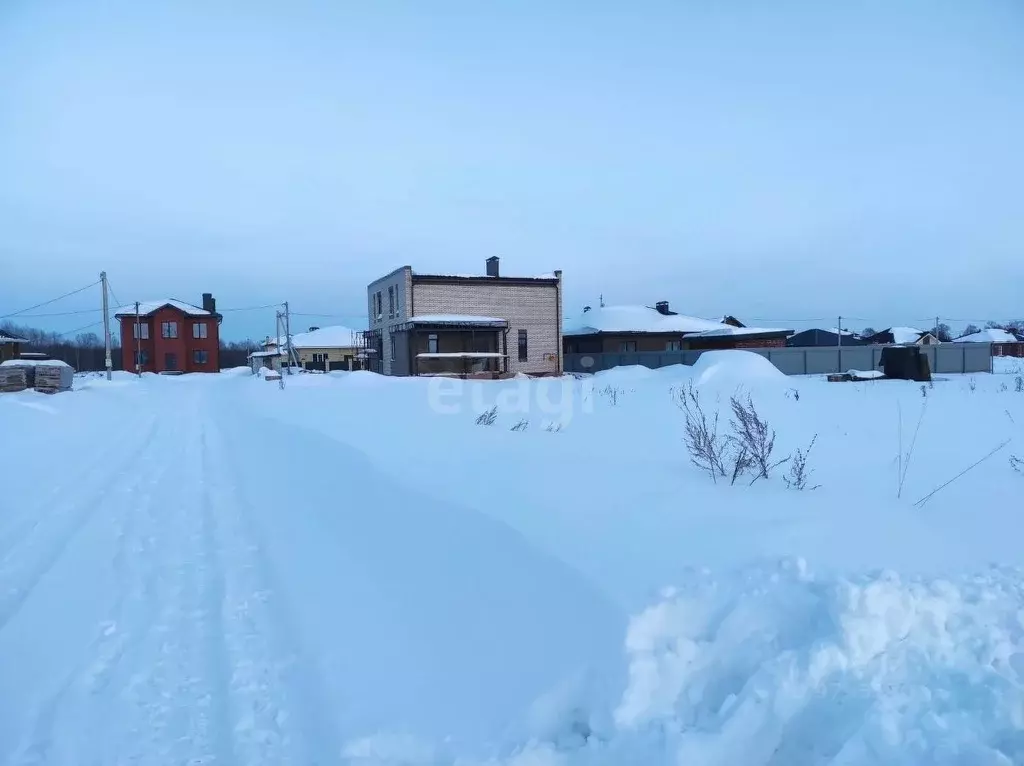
<point>321,348</point>
<point>10,346</point>
<point>1004,342</point>
<point>171,336</point>
<point>633,329</point>
<point>902,336</point>
<point>466,325</point>
<point>818,338</point>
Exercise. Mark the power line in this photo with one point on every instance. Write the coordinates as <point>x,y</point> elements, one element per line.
<point>252,308</point>
<point>80,329</point>
<point>52,300</point>
<point>117,303</point>
<point>62,313</point>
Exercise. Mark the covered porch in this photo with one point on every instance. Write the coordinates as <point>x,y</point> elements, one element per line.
<point>456,345</point>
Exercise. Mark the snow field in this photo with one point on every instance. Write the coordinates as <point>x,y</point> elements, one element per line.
<point>209,569</point>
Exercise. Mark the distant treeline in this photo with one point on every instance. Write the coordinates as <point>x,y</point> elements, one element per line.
<point>84,350</point>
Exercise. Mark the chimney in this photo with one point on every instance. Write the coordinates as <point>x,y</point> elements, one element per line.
<point>209,303</point>
<point>662,307</point>
<point>492,266</point>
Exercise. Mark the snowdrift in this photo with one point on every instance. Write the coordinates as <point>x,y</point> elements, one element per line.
<point>728,368</point>
<point>777,666</point>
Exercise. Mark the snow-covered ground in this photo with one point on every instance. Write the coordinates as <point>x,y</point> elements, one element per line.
<point>352,570</point>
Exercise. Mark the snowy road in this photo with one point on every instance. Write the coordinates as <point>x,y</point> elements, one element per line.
<point>183,580</point>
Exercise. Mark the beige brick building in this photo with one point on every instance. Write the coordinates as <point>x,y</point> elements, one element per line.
<point>472,325</point>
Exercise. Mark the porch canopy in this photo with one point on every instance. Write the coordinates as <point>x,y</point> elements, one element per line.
<point>454,321</point>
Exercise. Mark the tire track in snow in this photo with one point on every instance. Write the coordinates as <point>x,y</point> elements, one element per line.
<point>72,514</point>
<point>275,702</point>
<point>134,572</point>
<point>66,486</point>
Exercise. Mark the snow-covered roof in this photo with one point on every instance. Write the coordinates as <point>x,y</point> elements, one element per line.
<point>455,319</point>
<point>5,338</point>
<point>645,319</point>
<point>265,354</point>
<point>730,330</point>
<point>837,331</point>
<point>635,319</point>
<point>148,307</point>
<point>905,334</point>
<point>990,335</point>
<point>335,336</point>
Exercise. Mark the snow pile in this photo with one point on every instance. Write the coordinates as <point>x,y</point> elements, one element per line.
<point>1007,365</point>
<point>777,666</point>
<point>34,363</point>
<point>734,367</point>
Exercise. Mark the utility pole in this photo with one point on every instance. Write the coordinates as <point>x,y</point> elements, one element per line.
<point>106,324</point>
<point>839,332</point>
<point>288,334</point>
<point>937,338</point>
<point>138,343</point>
<point>277,336</point>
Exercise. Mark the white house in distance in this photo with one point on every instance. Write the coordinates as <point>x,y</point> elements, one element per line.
<point>320,348</point>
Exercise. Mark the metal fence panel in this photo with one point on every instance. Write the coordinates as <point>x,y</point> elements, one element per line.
<point>817,360</point>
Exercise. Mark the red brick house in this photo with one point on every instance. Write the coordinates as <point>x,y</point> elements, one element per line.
<point>171,336</point>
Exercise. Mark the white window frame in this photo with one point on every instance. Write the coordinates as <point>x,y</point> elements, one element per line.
<point>199,331</point>
<point>140,331</point>
<point>169,330</point>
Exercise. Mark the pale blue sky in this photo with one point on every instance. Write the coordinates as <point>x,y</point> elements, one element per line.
<point>782,160</point>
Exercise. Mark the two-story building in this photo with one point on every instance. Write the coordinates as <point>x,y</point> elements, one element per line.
<point>171,336</point>
<point>484,325</point>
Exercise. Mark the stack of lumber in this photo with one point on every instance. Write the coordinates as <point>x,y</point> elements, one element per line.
<point>12,379</point>
<point>51,378</point>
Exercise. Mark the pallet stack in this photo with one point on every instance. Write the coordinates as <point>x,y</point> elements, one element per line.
<point>50,379</point>
<point>12,379</point>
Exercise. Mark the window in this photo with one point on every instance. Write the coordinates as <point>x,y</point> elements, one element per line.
<point>432,343</point>
<point>199,356</point>
<point>674,345</point>
<point>169,329</point>
<point>378,305</point>
<point>140,331</point>
<point>627,346</point>
<point>391,301</point>
<point>199,330</point>
<point>393,354</point>
<point>398,307</point>
<point>523,351</point>
<point>320,358</point>
<point>141,358</point>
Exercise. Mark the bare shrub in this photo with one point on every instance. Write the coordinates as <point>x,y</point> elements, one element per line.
<point>742,462</point>
<point>487,417</point>
<point>706,446</point>
<point>1017,464</point>
<point>1003,387</point>
<point>793,394</point>
<point>612,394</point>
<point>799,474</point>
<point>924,390</point>
<point>553,427</point>
<point>972,384</point>
<point>522,425</point>
<point>1018,384</point>
<point>753,434</point>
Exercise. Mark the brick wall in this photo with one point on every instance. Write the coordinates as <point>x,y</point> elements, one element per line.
<point>530,307</point>
<point>401,282</point>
